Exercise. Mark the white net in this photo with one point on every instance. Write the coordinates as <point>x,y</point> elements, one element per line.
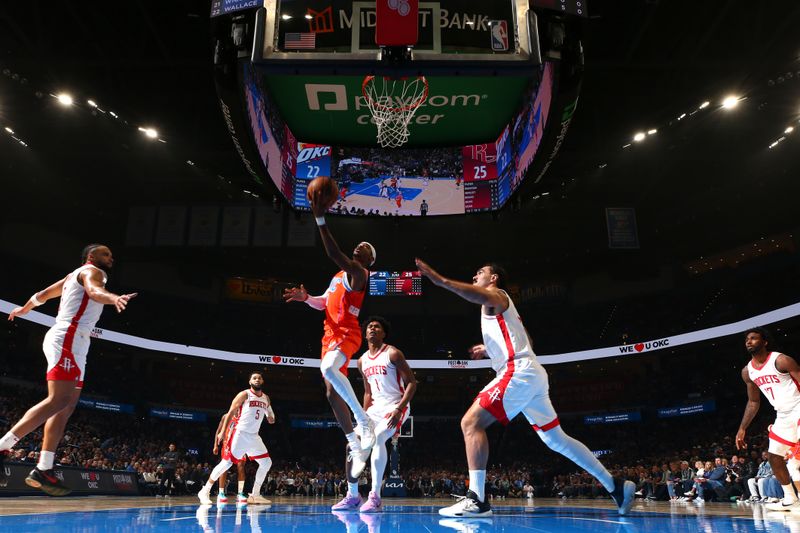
<point>393,103</point>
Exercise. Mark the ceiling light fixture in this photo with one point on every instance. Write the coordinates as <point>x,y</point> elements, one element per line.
<point>64,99</point>
<point>730,102</point>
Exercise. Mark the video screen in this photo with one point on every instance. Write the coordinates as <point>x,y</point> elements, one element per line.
<point>273,138</point>
<point>402,182</point>
<point>387,283</point>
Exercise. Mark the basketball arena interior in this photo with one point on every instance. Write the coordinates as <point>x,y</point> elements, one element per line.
<point>520,265</point>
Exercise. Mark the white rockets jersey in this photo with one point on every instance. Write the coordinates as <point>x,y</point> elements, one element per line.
<point>76,308</point>
<point>384,381</point>
<point>252,412</point>
<point>506,338</point>
<point>780,388</point>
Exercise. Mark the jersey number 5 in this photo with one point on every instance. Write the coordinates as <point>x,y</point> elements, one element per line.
<point>258,413</point>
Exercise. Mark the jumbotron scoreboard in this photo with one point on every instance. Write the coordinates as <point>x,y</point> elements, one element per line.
<point>387,283</point>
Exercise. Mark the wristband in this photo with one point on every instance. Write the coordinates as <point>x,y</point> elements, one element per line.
<point>35,300</point>
<point>320,221</point>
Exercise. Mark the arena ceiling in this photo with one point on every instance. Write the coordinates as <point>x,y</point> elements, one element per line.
<point>700,184</point>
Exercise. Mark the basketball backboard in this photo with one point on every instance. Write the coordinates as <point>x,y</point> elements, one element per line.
<point>449,30</point>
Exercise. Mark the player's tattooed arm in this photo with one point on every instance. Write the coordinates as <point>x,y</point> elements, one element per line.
<point>237,402</point>
<point>472,293</point>
<point>95,288</point>
<point>750,410</point>
<point>784,363</point>
<point>38,298</point>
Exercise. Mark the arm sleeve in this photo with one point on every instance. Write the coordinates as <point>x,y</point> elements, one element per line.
<point>317,302</point>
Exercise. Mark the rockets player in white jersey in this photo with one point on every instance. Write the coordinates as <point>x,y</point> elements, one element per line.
<point>83,294</point>
<point>389,386</point>
<point>248,410</point>
<point>521,385</point>
<point>777,376</point>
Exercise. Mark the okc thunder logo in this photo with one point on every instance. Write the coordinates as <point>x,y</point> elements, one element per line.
<point>401,6</point>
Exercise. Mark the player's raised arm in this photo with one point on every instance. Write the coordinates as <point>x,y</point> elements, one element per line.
<point>354,269</point>
<point>235,404</point>
<point>94,285</point>
<point>751,409</point>
<point>38,298</point>
<point>471,293</point>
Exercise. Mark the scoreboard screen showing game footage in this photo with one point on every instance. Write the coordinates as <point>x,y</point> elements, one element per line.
<point>386,283</point>
<point>403,182</point>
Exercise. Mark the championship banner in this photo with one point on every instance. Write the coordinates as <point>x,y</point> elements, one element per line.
<point>638,348</point>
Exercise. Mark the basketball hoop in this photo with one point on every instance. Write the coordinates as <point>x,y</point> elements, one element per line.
<point>393,103</point>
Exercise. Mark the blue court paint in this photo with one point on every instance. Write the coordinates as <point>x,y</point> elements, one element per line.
<point>395,518</point>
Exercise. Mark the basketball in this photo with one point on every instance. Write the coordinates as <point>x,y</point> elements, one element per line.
<point>324,190</point>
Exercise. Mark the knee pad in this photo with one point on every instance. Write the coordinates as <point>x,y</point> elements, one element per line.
<point>555,439</point>
<point>264,462</point>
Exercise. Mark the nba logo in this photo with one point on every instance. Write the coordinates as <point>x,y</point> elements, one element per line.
<point>499,35</point>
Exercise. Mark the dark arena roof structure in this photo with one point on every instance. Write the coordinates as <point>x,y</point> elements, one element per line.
<point>632,164</point>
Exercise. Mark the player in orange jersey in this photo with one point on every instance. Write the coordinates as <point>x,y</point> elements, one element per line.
<point>342,333</point>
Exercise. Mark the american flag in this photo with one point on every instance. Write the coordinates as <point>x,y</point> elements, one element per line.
<point>296,41</point>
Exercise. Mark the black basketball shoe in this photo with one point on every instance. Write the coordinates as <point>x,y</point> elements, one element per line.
<point>47,481</point>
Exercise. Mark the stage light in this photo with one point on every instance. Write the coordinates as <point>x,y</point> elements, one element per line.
<point>704,105</point>
<point>9,130</point>
<point>64,99</point>
<point>730,102</point>
<point>790,129</point>
<point>91,103</point>
<point>652,132</point>
<point>150,132</point>
<point>639,137</point>
<point>286,17</point>
<point>309,17</point>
